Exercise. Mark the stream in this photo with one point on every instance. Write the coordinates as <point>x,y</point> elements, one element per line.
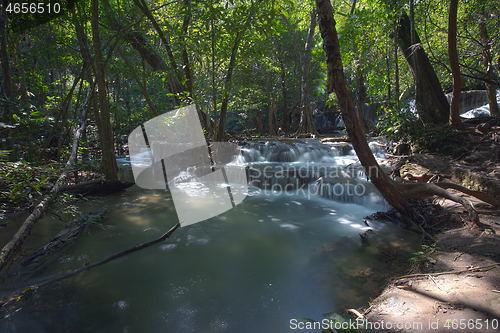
<point>277,256</point>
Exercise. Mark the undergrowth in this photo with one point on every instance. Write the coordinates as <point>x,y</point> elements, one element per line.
<point>404,126</point>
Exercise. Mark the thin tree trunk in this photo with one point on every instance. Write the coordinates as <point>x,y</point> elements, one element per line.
<point>6,83</point>
<point>396,67</point>
<point>87,65</point>
<point>455,121</point>
<point>22,76</point>
<point>260,127</point>
<point>214,87</point>
<point>227,88</point>
<point>165,41</point>
<point>286,126</point>
<point>108,151</point>
<point>490,88</point>
<point>141,86</point>
<point>361,97</point>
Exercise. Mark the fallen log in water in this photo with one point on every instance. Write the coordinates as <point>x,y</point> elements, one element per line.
<point>67,236</point>
<point>98,187</point>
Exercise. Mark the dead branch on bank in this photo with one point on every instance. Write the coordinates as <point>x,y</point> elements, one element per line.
<point>10,249</point>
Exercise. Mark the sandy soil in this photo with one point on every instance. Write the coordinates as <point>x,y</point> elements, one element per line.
<point>467,299</point>
<point>463,302</point>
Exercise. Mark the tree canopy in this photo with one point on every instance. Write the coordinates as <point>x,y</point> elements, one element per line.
<point>247,65</point>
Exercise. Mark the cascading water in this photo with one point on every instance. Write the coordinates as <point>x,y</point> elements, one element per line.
<point>278,256</point>
<point>328,170</point>
<point>481,111</point>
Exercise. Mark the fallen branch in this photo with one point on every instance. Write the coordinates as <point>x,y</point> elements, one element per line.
<point>10,249</point>
<point>113,257</point>
<point>67,236</point>
<point>90,182</point>
<point>471,269</point>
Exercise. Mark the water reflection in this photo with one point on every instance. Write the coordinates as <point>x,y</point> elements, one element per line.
<point>251,269</point>
<point>274,257</point>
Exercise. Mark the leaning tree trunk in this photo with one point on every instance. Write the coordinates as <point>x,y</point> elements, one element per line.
<point>393,192</point>
<point>455,121</point>
<point>432,105</point>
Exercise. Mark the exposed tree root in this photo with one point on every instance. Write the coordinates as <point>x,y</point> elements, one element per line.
<point>471,269</point>
<point>420,190</point>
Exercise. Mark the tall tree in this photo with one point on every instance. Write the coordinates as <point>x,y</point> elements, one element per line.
<point>488,66</point>
<point>455,121</point>
<point>108,150</point>
<point>6,93</point>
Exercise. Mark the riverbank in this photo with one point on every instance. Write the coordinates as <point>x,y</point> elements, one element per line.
<point>455,287</point>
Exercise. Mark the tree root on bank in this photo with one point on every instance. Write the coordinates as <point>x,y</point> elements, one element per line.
<point>420,190</point>
<point>471,269</point>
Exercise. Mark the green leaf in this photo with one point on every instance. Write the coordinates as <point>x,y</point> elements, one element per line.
<point>36,114</point>
<point>16,118</point>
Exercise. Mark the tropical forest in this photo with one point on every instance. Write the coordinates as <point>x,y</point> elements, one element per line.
<point>249,166</point>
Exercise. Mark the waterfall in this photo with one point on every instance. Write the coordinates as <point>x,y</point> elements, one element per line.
<point>482,111</point>
<point>309,167</point>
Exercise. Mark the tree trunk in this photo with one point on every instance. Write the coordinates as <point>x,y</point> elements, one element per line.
<point>260,127</point>
<point>431,103</point>
<point>22,76</point>
<point>286,125</point>
<point>361,97</point>
<point>455,121</point>
<point>491,89</point>
<point>270,105</point>
<point>108,151</point>
<point>6,84</point>
<point>141,86</point>
<point>336,81</point>
<point>396,68</point>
